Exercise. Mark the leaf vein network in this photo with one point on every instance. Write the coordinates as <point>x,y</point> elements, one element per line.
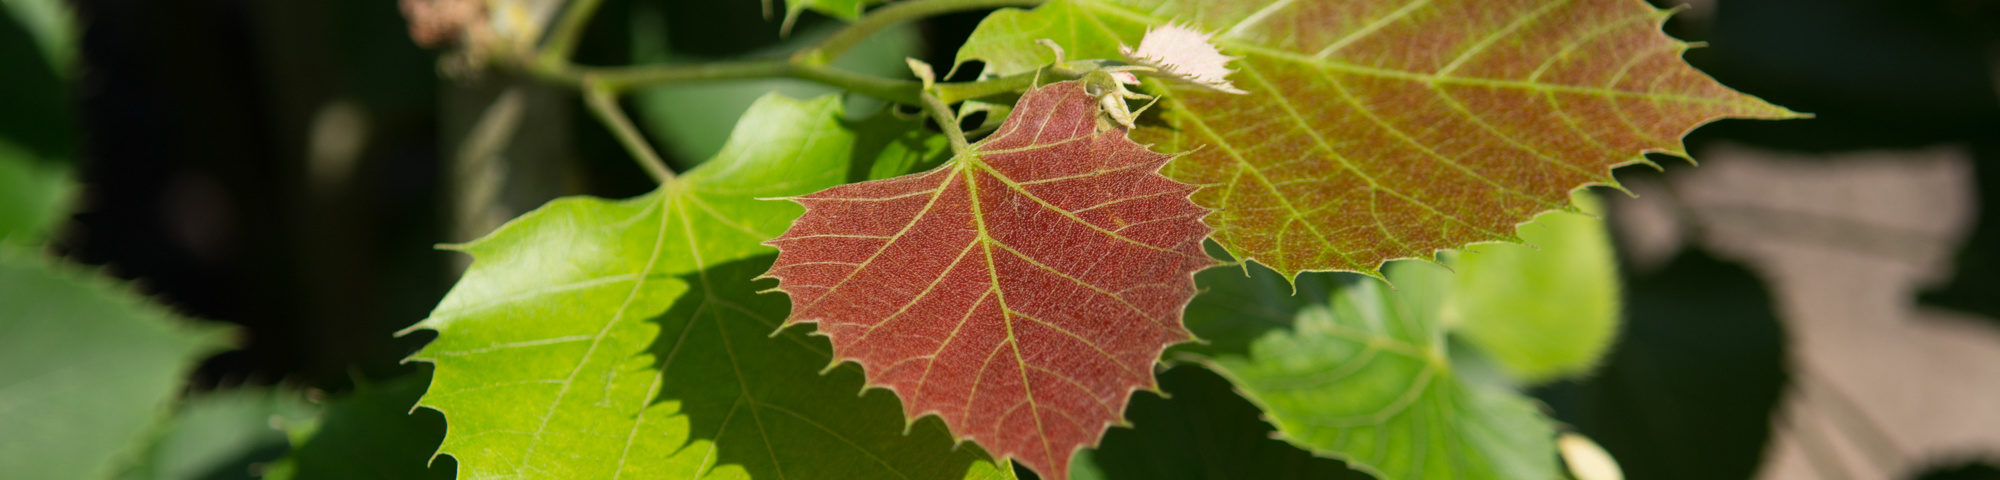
<point>659,244</point>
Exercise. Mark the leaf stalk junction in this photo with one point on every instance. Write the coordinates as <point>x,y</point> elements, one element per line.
<point>601,87</point>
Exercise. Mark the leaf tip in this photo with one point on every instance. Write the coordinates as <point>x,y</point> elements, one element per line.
<point>425,324</point>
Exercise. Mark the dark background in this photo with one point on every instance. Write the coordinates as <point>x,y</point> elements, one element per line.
<point>191,121</point>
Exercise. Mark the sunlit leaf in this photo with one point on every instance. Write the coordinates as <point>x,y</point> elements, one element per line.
<point>86,369</point>
<point>1021,292</point>
<point>1384,129</point>
<point>1367,378</point>
<point>1543,310</point>
<point>594,339</point>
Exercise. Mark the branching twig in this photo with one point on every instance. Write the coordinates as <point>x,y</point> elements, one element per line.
<point>834,46</point>
<point>604,103</point>
<point>948,122</point>
<point>960,91</point>
<point>601,86</point>
<point>561,40</point>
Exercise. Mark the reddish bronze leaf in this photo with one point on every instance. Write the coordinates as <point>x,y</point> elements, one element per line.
<point>1020,292</point>
<point>1383,129</point>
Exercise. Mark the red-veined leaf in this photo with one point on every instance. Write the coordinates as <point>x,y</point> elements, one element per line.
<point>1021,292</point>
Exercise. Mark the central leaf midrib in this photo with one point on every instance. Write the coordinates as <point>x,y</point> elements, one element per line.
<point>1307,128</point>
<point>986,240</point>
<point>1427,78</point>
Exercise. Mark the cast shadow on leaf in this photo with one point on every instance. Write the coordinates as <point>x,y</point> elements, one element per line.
<point>756,402</point>
<point>1689,390</point>
<point>373,433</point>
<point>1237,305</point>
<point>1205,431</point>
<point>886,146</point>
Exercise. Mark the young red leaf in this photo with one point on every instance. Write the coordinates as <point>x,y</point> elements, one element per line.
<point>1377,130</point>
<point>1020,292</point>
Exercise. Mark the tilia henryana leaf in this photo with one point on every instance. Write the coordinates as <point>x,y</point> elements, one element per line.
<point>86,369</point>
<point>1383,129</point>
<point>1202,431</point>
<point>1021,292</point>
<point>842,9</point>
<point>1545,310</point>
<point>1366,377</point>
<point>371,432</point>
<point>596,339</point>
<point>34,195</point>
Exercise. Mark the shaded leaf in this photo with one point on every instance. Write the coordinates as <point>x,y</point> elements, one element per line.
<point>39,114</point>
<point>34,196</point>
<point>375,432</point>
<point>693,120</point>
<point>1204,430</point>
<point>1241,304</point>
<point>222,435</point>
<point>1020,293</point>
<point>1544,310</point>
<point>1384,129</point>
<point>1367,378</point>
<point>1696,376</point>
<point>85,369</point>
<point>594,339</point>
<point>53,26</point>
<point>841,9</point>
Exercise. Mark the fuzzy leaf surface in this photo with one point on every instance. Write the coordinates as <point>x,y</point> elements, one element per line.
<point>596,339</point>
<point>1383,129</point>
<point>86,369</point>
<point>1021,292</point>
<point>1366,377</point>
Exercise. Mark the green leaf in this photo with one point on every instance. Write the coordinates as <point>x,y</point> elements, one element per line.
<point>1702,364</point>
<point>1545,310</point>
<point>1237,306</point>
<point>34,195</point>
<point>221,435</point>
<point>85,369</point>
<point>52,24</point>
<point>593,339</point>
<point>1202,430</point>
<point>692,121</point>
<point>371,433</point>
<point>1006,40</point>
<point>844,9</point>
<point>37,102</point>
<point>841,9</point>
<point>1367,378</point>
<point>1383,129</point>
